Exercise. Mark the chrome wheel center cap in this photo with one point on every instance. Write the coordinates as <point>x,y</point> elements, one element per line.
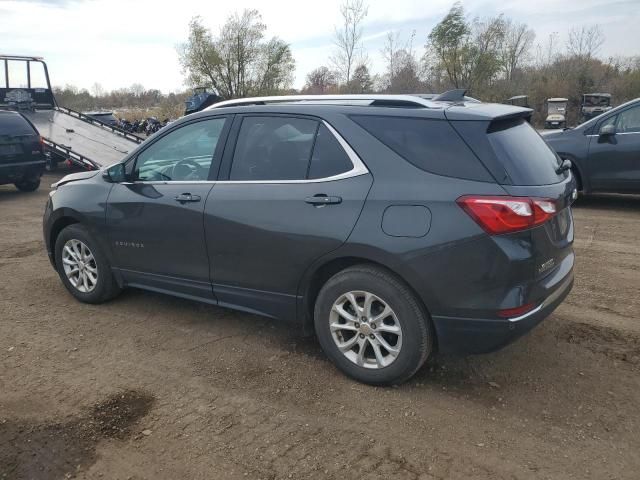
<point>365,328</point>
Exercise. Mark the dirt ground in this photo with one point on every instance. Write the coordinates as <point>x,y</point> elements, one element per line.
<point>153,387</point>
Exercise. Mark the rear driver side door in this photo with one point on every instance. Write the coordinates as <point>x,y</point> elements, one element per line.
<point>290,191</point>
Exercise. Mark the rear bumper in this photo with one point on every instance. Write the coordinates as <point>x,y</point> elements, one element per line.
<point>481,335</point>
<point>16,171</point>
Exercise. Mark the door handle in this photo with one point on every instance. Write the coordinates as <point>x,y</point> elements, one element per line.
<point>322,199</point>
<point>187,197</point>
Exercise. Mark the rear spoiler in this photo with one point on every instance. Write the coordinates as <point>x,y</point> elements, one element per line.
<point>507,121</point>
<point>487,112</point>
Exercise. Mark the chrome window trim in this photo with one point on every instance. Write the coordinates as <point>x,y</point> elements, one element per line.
<point>358,169</point>
<point>617,133</point>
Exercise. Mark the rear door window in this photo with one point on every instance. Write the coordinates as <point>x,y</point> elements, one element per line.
<point>273,148</point>
<point>431,145</point>
<point>524,155</point>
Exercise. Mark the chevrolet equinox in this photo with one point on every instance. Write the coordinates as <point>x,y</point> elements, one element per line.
<point>392,226</point>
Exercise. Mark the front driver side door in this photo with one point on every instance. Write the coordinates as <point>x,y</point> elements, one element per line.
<point>155,220</point>
<point>614,160</point>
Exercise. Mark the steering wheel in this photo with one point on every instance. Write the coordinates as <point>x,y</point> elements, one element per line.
<point>187,169</point>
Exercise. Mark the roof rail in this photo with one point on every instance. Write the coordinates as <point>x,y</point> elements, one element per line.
<point>409,101</point>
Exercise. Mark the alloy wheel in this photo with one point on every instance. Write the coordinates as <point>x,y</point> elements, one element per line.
<point>365,329</point>
<point>80,266</point>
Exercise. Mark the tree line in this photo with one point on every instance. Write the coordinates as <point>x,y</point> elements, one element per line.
<point>134,102</point>
<point>493,57</point>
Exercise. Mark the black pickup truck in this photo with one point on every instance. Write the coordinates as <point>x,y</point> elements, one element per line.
<point>22,160</point>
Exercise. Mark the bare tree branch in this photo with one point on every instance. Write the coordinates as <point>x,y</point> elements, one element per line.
<point>348,51</point>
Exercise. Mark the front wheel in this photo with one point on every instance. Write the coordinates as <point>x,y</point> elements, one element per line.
<point>372,326</point>
<point>82,267</point>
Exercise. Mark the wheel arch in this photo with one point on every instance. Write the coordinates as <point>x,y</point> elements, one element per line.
<point>576,169</point>
<point>321,272</point>
<point>56,227</point>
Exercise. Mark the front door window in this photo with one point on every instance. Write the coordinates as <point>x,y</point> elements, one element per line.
<point>185,154</point>
<point>629,121</point>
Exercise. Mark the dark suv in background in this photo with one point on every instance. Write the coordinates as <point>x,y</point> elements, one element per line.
<point>22,159</point>
<point>393,226</point>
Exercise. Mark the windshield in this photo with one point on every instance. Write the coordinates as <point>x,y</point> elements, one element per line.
<point>596,101</point>
<point>557,107</point>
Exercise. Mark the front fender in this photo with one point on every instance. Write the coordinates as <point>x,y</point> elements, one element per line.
<point>82,202</point>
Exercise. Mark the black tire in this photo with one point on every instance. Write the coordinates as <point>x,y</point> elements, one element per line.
<point>106,286</point>
<point>417,332</point>
<point>28,185</point>
<point>51,165</point>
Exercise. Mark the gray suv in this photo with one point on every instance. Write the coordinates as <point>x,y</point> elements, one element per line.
<point>392,226</point>
<point>604,151</point>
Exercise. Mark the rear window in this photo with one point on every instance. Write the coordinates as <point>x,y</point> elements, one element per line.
<point>431,145</point>
<point>15,124</point>
<point>524,155</point>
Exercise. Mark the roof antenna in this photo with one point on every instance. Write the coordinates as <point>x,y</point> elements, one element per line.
<point>455,95</point>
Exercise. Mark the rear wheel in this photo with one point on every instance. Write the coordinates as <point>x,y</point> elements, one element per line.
<point>27,185</point>
<point>51,164</point>
<point>372,326</point>
<point>82,266</point>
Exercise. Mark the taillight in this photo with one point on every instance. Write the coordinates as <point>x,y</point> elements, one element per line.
<point>498,214</point>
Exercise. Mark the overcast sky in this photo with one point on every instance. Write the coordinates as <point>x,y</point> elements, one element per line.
<point>120,42</point>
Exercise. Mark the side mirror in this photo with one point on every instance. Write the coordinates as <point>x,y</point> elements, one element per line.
<point>607,130</point>
<point>115,174</point>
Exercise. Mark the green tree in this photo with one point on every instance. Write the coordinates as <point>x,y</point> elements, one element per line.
<point>321,81</point>
<point>468,52</point>
<point>449,44</point>
<point>360,81</point>
<point>239,62</point>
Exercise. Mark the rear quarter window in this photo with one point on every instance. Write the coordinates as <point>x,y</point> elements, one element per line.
<point>524,155</point>
<point>328,158</point>
<point>431,145</point>
<point>15,124</point>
